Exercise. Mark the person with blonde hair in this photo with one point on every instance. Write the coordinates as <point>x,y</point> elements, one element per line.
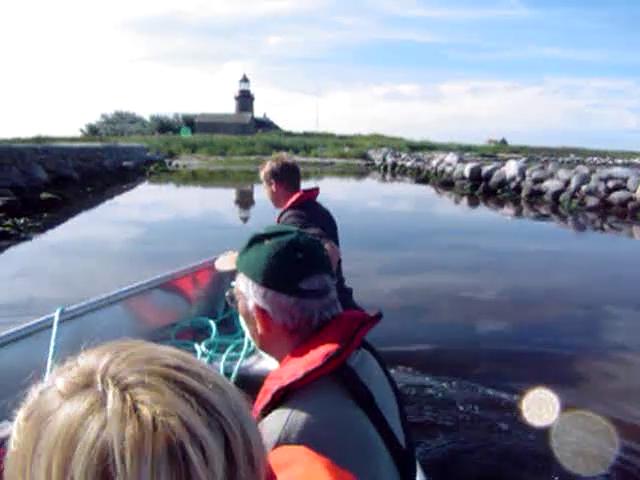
<point>134,410</point>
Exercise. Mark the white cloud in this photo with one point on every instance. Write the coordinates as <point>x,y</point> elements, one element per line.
<point>440,10</point>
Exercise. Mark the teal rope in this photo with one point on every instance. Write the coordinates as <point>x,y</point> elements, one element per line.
<point>52,341</point>
<point>228,351</point>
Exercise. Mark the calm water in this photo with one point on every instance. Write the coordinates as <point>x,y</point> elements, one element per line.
<point>467,294</point>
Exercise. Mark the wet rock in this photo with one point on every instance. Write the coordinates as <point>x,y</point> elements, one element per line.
<point>498,180</point>
<point>10,176</point>
<point>592,203</point>
<point>473,172</point>
<point>633,183</point>
<point>565,198</point>
<point>484,189</point>
<point>531,190</point>
<point>620,198</point>
<point>9,204</point>
<point>34,175</point>
<point>50,200</point>
<point>488,171</point>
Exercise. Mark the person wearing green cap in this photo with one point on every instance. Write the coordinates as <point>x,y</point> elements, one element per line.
<point>330,391</point>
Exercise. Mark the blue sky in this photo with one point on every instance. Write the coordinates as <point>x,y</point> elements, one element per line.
<point>535,71</point>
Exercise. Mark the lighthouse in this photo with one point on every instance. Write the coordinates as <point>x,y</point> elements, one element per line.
<point>244,98</point>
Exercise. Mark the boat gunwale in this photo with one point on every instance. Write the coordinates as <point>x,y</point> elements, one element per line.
<point>73,311</point>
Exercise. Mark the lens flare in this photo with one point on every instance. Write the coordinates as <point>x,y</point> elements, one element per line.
<point>584,443</point>
<point>540,407</point>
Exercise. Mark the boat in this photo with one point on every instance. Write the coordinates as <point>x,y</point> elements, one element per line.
<point>173,308</point>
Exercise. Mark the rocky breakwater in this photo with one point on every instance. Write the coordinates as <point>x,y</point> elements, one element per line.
<point>43,185</point>
<point>563,184</point>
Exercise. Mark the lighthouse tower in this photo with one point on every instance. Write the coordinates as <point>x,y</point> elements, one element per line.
<point>244,98</point>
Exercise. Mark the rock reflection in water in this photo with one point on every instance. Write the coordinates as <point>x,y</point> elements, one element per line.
<point>580,221</point>
<point>244,201</point>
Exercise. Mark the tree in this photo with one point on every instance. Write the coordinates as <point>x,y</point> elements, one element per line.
<point>118,124</point>
<point>165,124</point>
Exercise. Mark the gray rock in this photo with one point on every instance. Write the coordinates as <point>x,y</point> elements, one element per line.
<point>565,198</point>
<point>473,172</point>
<point>633,183</point>
<point>564,175</point>
<point>592,203</point>
<point>620,198</point>
<point>488,171</point>
<point>621,173</point>
<point>515,170</point>
<point>531,190</point>
<point>553,189</point>
<point>578,180</point>
<point>458,172</point>
<point>616,184</point>
<point>451,159</point>
<point>498,180</point>
<point>633,207</point>
<point>538,175</point>
<point>582,169</point>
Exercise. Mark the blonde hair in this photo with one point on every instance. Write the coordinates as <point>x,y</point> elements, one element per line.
<point>134,410</point>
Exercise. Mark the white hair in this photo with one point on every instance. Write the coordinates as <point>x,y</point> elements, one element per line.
<point>297,314</point>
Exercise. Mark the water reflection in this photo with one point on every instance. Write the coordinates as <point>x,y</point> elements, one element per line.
<point>489,306</point>
<point>244,201</point>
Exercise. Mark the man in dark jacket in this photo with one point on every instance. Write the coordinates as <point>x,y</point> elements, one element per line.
<point>300,208</point>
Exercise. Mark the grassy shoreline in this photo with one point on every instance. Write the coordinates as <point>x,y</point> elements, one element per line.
<point>319,145</point>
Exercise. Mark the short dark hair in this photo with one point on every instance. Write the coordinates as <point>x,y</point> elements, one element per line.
<point>282,170</point>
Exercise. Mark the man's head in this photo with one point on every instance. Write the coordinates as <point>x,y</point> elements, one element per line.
<point>281,179</point>
<point>285,288</point>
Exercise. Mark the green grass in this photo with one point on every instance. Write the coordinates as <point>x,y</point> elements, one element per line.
<point>311,145</point>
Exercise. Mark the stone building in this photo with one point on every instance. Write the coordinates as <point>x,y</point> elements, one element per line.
<point>242,122</point>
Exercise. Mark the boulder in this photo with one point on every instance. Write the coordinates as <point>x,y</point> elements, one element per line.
<point>592,203</point>
<point>620,198</point>
<point>498,180</point>
<point>11,177</point>
<point>633,207</point>
<point>565,198</point>
<point>582,169</point>
<point>620,173</point>
<point>538,175</point>
<point>451,159</point>
<point>458,172</point>
<point>33,173</point>
<point>564,175</point>
<point>488,171</point>
<point>633,183</point>
<point>531,190</point>
<point>473,172</point>
<point>515,169</point>
<point>578,180</point>
<point>552,185</point>
<point>615,184</point>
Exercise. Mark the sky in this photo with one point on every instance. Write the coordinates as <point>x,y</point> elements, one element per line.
<point>539,72</point>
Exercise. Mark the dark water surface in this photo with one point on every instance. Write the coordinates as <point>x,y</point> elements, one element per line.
<point>478,307</point>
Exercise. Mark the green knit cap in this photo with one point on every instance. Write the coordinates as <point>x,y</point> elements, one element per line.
<point>281,256</point>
